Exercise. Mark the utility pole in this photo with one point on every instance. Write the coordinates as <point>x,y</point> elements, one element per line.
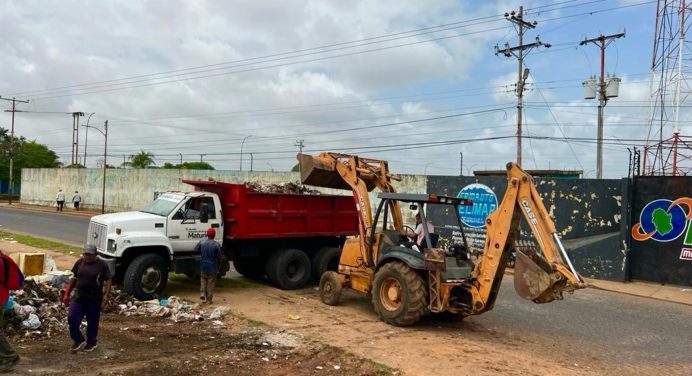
<point>14,109</point>
<point>602,42</point>
<point>181,158</point>
<point>517,18</point>
<point>75,136</point>
<point>300,144</point>
<point>461,163</point>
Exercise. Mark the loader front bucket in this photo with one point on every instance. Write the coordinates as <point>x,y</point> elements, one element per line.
<point>320,171</point>
<point>532,276</point>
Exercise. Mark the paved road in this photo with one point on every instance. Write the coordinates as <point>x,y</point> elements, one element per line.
<point>602,324</point>
<point>61,227</point>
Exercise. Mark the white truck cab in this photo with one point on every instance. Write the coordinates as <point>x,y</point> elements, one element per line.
<point>141,247</point>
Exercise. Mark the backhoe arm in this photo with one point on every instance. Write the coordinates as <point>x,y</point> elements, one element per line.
<point>539,277</point>
<point>359,174</point>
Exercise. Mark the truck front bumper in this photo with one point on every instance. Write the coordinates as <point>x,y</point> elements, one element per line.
<point>110,262</point>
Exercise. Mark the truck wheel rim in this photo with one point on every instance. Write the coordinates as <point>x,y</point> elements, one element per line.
<point>151,278</point>
<point>390,294</point>
<point>294,270</point>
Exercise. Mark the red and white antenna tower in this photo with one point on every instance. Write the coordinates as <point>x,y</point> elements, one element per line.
<point>668,151</point>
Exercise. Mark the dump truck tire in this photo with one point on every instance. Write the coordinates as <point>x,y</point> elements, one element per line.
<point>326,258</point>
<point>252,268</point>
<point>289,268</point>
<point>399,294</point>
<point>146,277</point>
<point>330,288</point>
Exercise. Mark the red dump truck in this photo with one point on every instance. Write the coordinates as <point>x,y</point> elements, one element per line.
<point>287,237</point>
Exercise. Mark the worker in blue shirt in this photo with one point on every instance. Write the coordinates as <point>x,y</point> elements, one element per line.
<point>209,265</point>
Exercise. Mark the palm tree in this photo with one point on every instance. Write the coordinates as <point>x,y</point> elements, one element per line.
<point>143,159</point>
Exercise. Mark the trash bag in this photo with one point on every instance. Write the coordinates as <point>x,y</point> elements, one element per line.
<point>32,322</point>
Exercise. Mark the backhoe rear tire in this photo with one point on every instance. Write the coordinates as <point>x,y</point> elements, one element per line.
<point>399,294</point>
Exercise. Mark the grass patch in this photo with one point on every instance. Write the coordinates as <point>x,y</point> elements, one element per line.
<point>242,283</point>
<point>33,241</point>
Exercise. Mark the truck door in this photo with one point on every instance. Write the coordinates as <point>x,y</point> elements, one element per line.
<point>186,226</point>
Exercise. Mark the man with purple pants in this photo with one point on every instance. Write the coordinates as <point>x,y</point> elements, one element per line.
<point>91,282</point>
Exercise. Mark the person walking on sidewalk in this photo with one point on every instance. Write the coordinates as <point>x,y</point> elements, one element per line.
<point>59,200</point>
<point>8,356</point>
<point>209,265</point>
<point>76,199</point>
<point>91,282</point>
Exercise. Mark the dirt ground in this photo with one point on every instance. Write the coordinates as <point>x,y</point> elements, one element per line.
<point>305,337</point>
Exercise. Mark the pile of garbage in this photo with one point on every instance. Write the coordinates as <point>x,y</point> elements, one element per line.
<point>288,188</point>
<point>173,307</point>
<point>37,311</point>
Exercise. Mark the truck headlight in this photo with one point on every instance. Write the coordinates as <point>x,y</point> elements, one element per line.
<point>111,245</point>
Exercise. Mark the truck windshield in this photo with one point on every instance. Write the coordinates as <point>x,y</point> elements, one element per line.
<point>163,205</point>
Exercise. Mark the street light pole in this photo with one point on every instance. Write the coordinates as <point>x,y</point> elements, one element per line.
<point>241,150</point>
<point>105,163</point>
<point>86,137</point>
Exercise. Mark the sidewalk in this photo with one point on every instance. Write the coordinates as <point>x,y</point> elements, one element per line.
<point>670,293</point>
<point>68,210</point>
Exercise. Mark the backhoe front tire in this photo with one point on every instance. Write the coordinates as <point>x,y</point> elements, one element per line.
<point>399,294</point>
<point>330,288</point>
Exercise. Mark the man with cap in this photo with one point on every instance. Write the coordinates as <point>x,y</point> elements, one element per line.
<point>91,282</point>
<point>209,265</point>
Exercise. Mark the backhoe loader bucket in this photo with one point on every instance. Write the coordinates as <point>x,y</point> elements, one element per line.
<point>531,275</point>
<point>320,171</point>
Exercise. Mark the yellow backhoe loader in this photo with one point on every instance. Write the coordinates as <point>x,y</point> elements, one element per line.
<point>406,278</point>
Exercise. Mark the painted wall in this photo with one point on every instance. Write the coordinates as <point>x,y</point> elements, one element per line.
<point>661,231</point>
<point>131,189</point>
<point>586,213</point>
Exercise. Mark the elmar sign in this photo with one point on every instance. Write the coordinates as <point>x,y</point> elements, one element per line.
<point>664,220</point>
<point>484,202</point>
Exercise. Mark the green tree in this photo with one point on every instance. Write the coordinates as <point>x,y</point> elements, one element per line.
<point>27,154</point>
<point>143,159</point>
<point>189,166</point>
<point>296,168</point>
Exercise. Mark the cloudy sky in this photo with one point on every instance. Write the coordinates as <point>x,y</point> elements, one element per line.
<point>413,82</point>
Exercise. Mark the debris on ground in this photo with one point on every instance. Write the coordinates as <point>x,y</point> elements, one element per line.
<point>37,310</point>
<point>288,188</point>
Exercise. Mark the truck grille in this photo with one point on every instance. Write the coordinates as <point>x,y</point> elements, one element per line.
<point>97,235</point>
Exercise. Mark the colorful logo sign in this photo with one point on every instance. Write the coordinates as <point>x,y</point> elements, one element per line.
<point>484,202</point>
<point>665,220</point>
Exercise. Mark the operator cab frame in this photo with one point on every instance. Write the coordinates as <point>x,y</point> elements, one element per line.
<point>395,240</point>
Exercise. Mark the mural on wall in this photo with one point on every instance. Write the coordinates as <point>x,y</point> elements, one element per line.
<point>662,230</point>
<point>473,216</point>
<point>586,212</point>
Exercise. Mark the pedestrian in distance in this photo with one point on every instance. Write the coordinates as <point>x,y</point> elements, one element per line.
<point>59,200</point>
<point>11,278</point>
<point>91,282</point>
<point>76,199</point>
<point>209,265</point>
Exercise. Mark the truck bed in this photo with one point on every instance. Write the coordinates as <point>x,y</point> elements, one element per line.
<point>251,215</point>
